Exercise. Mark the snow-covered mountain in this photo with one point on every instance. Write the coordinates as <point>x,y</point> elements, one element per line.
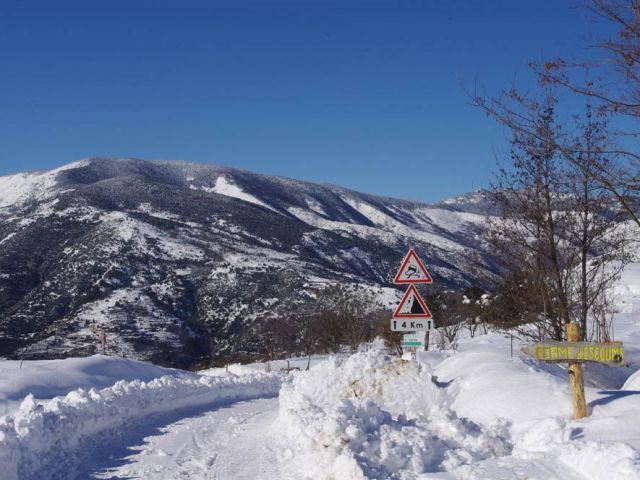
<point>172,260</point>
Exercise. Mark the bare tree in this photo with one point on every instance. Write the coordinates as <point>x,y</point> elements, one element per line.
<point>557,221</point>
<point>278,337</point>
<point>610,80</point>
<point>517,302</point>
<point>473,300</point>
<point>306,340</point>
<point>603,310</point>
<point>594,227</point>
<point>391,339</point>
<point>346,315</point>
<point>528,232</point>
<point>451,314</point>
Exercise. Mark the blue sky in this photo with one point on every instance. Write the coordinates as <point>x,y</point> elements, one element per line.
<point>363,94</point>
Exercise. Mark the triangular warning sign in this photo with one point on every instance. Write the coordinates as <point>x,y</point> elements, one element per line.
<point>412,305</point>
<point>412,270</point>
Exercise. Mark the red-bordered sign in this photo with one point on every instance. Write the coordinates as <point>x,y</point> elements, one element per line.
<point>412,270</point>
<point>412,305</point>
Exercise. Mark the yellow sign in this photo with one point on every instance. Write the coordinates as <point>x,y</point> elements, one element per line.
<point>611,352</point>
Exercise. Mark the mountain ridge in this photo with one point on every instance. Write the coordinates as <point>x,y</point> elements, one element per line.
<point>157,254</point>
<point>442,203</point>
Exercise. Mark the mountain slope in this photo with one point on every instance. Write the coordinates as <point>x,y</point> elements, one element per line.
<point>172,260</point>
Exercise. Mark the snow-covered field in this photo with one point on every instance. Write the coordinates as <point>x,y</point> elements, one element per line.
<point>476,413</point>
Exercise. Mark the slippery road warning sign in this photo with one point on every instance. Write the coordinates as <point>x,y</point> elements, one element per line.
<point>412,305</point>
<point>412,270</point>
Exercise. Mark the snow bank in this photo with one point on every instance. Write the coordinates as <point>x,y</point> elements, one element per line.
<point>475,414</point>
<point>45,379</point>
<point>486,385</point>
<point>633,382</point>
<point>489,384</point>
<point>372,416</point>
<point>51,437</point>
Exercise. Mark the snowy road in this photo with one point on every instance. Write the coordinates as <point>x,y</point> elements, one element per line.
<point>237,441</point>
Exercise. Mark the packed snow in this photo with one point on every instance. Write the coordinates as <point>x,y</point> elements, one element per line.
<point>51,440</point>
<point>233,441</point>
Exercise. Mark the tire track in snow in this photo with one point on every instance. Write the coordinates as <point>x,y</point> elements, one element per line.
<point>236,441</point>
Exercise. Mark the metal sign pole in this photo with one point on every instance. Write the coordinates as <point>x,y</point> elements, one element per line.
<point>412,315</point>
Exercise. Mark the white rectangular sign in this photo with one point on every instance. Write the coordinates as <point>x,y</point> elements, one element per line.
<point>415,339</point>
<point>411,325</point>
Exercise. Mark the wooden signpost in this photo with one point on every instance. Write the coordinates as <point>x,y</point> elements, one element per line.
<point>576,381</point>
<point>610,353</point>
<point>575,353</point>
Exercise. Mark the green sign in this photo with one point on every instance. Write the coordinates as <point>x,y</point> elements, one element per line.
<point>415,339</point>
